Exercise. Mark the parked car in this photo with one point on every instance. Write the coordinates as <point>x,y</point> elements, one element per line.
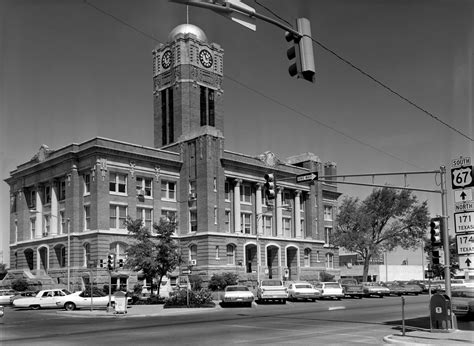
<point>422,283</point>
<point>462,301</point>
<point>302,290</point>
<point>351,288</point>
<point>272,290</point>
<point>23,294</point>
<point>330,290</point>
<point>375,289</point>
<point>438,286</point>
<point>5,296</point>
<point>238,294</point>
<point>82,299</point>
<point>43,299</point>
<point>411,288</point>
<point>395,288</point>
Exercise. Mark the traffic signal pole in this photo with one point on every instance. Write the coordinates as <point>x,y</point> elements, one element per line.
<point>331,179</point>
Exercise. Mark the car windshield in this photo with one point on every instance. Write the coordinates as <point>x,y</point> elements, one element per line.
<point>237,288</point>
<point>271,283</point>
<point>303,286</point>
<point>331,285</point>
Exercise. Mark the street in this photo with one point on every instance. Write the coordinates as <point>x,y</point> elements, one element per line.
<point>349,321</point>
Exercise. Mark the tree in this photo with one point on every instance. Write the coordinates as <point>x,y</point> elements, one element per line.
<point>3,270</point>
<point>155,253</point>
<point>387,218</point>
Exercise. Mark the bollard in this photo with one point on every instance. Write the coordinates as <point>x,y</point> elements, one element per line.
<point>403,316</point>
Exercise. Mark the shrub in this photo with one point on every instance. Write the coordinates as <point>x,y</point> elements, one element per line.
<point>221,281</point>
<point>196,298</point>
<point>324,277</point>
<point>195,281</point>
<point>19,284</point>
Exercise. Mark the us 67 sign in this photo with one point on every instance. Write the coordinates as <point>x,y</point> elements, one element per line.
<point>462,177</point>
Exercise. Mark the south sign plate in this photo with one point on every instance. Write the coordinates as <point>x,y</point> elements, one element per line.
<point>465,243</point>
<point>464,222</point>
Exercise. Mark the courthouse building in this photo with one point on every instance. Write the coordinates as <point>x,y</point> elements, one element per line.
<point>68,205</point>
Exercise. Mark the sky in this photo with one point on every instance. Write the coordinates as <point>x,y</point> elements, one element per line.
<point>72,70</point>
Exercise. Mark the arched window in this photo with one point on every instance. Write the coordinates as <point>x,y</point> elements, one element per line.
<point>230,254</point>
<point>329,261</point>
<point>307,257</point>
<point>86,249</point>
<point>193,254</point>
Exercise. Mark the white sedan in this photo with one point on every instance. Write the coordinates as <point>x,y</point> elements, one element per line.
<point>302,290</point>
<point>43,299</point>
<point>238,294</point>
<point>82,299</point>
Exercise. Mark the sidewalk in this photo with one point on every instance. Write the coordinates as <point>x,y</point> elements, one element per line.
<point>426,337</point>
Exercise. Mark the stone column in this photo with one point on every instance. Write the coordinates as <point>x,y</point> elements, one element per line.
<point>297,214</point>
<point>278,213</point>
<point>39,212</point>
<point>237,205</point>
<point>258,208</point>
<point>53,222</point>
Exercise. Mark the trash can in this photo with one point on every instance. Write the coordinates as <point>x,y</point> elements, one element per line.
<point>440,312</point>
<point>120,302</point>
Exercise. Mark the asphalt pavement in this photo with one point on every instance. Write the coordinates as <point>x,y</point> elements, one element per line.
<point>411,337</point>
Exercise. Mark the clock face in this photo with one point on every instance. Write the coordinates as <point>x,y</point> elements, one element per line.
<point>205,58</point>
<point>166,59</point>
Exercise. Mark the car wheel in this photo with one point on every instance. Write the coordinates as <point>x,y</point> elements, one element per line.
<point>69,306</point>
<point>35,307</point>
<point>283,301</point>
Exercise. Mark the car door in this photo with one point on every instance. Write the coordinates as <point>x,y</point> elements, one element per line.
<point>48,300</point>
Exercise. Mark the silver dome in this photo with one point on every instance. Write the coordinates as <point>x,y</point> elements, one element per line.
<point>187,29</point>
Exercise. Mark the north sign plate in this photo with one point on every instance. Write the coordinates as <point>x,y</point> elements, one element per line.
<point>466,261</point>
<point>463,206</point>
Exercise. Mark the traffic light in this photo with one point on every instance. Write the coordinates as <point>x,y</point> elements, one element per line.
<point>270,186</point>
<point>110,262</point>
<point>435,257</point>
<point>435,230</point>
<point>300,52</point>
<point>120,263</point>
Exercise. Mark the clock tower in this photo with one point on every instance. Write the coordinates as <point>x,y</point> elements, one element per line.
<point>187,87</point>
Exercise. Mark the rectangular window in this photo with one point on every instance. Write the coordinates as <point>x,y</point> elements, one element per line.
<point>164,120</point>
<point>302,225</point>
<point>87,217</point>
<point>230,254</point>
<point>267,225</point>
<point>192,188</point>
<point>286,198</point>
<point>210,97</point>
<point>203,106</point>
<point>302,204</point>
<point>169,215</point>
<point>32,228</point>
<point>118,183</point>
<point>287,227</point>
<point>144,186</point>
<point>87,184</point>
<point>170,116</point>
<point>227,190</point>
<point>307,257</point>
<point>215,184</point>
<point>246,193</point>
<point>327,213</point>
<point>193,220</point>
<point>46,225</point>
<point>245,225</point>
<point>62,189</point>
<point>215,215</point>
<point>32,199</point>
<point>327,235</point>
<point>47,194</point>
<point>62,222</point>
<point>168,190</point>
<point>217,252</point>
<point>118,216</point>
<point>145,214</point>
<point>227,221</point>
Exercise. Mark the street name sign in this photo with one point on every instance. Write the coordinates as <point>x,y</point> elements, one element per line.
<point>306,177</point>
<point>464,222</point>
<point>465,243</point>
<point>466,261</point>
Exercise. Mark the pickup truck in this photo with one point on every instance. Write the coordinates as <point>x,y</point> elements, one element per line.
<point>352,288</point>
<point>272,290</point>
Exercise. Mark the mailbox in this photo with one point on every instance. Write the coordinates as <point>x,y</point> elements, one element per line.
<point>120,302</point>
<point>441,313</point>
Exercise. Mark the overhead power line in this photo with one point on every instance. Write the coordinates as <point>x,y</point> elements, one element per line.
<point>261,93</point>
<point>368,75</point>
